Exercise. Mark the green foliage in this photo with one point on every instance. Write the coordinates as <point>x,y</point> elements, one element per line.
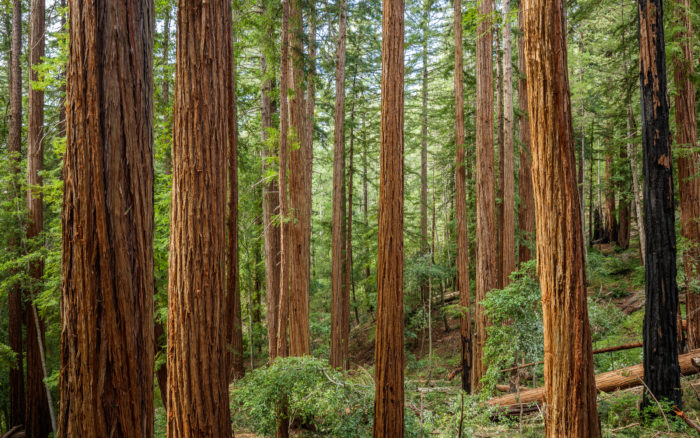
<point>516,331</point>
<point>332,402</point>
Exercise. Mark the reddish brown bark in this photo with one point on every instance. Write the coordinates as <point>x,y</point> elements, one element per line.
<point>508,173</point>
<point>688,166</point>
<point>38,417</point>
<point>299,195</point>
<point>197,359</point>
<point>14,299</point>
<point>610,213</point>
<point>568,368</point>
<point>388,350</point>
<point>526,210</point>
<point>107,297</point>
<point>486,251</point>
<point>339,291</point>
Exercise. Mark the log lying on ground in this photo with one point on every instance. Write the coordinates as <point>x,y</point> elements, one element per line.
<point>605,382</point>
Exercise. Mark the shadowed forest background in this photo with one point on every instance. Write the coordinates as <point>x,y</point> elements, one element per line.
<point>167,171</point>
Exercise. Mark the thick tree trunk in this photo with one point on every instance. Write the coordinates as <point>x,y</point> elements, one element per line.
<point>499,141</point>
<point>338,286</point>
<point>568,368</point>
<point>486,254</point>
<point>508,181</point>
<point>14,299</point>
<point>465,323</point>
<point>38,416</point>
<point>389,348</point>
<point>234,321</point>
<point>299,195</point>
<point>197,278</point>
<point>107,297</point>
<point>688,166</point>
<point>661,372</point>
<point>526,211</point>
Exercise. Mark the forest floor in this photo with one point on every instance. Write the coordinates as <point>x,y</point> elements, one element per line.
<point>616,309</point>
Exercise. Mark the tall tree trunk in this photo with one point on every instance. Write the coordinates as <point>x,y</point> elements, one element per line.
<point>38,416</point>
<point>465,323</point>
<point>107,297</point>
<point>632,153</point>
<point>197,278</point>
<point>299,195</point>
<point>234,321</point>
<point>499,141</point>
<point>388,347</point>
<point>14,299</point>
<point>486,253</point>
<point>508,181</point>
<point>610,214</point>
<point>271,203</point>
<point>526,211</point>
<point>424,146</point>
<point>309,124</point>
<point>568,368</point>
<point>349,283</point>
<point>623,225</point>
<point>661,370</point>
<point>688,166</point>
<point>338,286</point>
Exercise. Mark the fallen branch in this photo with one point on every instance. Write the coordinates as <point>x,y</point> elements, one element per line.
<point>605,382</point>
<point>687,420</point>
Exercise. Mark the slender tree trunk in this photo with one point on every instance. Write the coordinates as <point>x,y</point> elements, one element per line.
<point>282,349</point>
<point>508,181</point>
<point>389,348</point>
<point>197,320</point>
<point>14,299</point>
<point>568,368</point>
<point>661,370</point>
<point>299,195</point>
<point>610,216</point>
<point>526,212</point>
<point>309,137</point>
<point>338,289</point>
<point>623,225</point>
<point>38,419</point>
<point>349,284</point>
<point>107,296</point>
<point>271,203</point>
<point>632,153</point>
<point>234,320</point>
<point>424,147</point>
<point>465,324</point>
<point>486,253</point>
<point>688,166</point>
<point>499,141</point>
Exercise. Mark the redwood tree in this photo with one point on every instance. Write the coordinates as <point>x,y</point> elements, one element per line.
<point>107,296</point>
<point>388,349</point>
<point>568,366</point>
<point>508,181</point>
<point>197,363</point>
<point>465,324</point>
<point>688,162</point>
<point>486,254</point>
<point>38,416</point>
<point>339,291</point>
<point>661,370</point>
<point>526,210</point>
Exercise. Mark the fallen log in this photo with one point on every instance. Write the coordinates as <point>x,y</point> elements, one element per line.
<point>605,382</point>
<point>596,351</point>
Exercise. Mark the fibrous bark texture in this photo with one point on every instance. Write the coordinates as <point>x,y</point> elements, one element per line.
<point>339,291</point>
<point>107,296</point>
<point>688,166</point>
<point>465,326</point>
<point>299,195</point>
<point>568,365</point>
<point>388,350</point>
<point>526,210</point>
<point>486,253</point>
<point>197,360</point>
<point>661,372</point>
